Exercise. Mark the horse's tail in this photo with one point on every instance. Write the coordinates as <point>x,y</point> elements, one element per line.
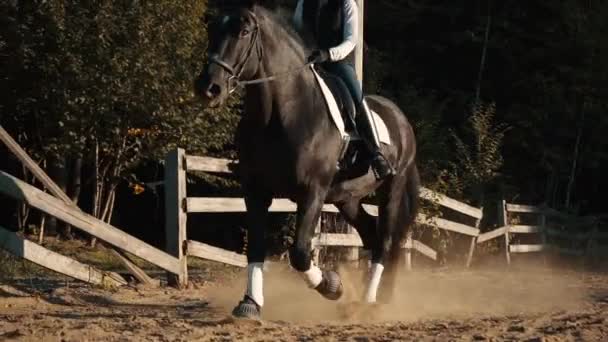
<point>412,192</point>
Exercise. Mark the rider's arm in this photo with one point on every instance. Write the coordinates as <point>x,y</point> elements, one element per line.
<point>351,32</point>
<point>298,15</point>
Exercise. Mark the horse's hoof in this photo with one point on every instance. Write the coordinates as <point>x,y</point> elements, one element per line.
<point>247,308</point>
<point>331,286</point>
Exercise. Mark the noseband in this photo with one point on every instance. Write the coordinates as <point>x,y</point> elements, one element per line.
<point>234,81</point>
<point>235,76</point>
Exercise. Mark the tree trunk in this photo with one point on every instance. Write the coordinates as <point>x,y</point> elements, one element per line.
<point>96,189</point>
<point>572,178</point>
<point>74,188</point>
<point>484,51</point>
<point>58,173</point>
<point>41,231</point>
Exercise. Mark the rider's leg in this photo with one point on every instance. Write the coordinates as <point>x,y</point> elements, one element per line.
<point>346,72</point>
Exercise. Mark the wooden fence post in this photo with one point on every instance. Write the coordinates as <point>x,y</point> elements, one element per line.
<point>503,221</point>
<point>361,42</point>
<point>176,215</point>
<point>317,248</point>
<point>353,252</point>
<point>542,222</point>
<point>473,244</point>
<point>409,245</point>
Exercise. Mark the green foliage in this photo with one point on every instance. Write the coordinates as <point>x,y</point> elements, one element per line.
<point>478,161</point>
<point>118,75</point>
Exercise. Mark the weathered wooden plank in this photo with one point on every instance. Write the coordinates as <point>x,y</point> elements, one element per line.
<point>316,250</point>
<point>491,235</point>
<point>527,248</point>
<point>473,244</point>
<point>353,253</point>
<point>422,249</point>
<point>219,165</point>
<point>52,187</point>
<point>205,251</point>
<point>37,254</point>
<point>16,188</point>
<point>353,240</point>
<point>31,165</point>
<point>175,214</point>
<point>451,203</point>
<point>409,246</point>
<point>208,164</point>
<point>137,272</point>
<point>520,208</point>
<point>448,225</point>
<point>525,229</point>
<point>343,240</point>
<point>237,205</point>
<point>503,220</point>
<point>359,47</point>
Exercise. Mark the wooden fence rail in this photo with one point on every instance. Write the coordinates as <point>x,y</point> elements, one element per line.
<point>19,190</point>
<point>552,236</point>
<point>39,255</point>
<point>64,209</point>
<point>178,163</point>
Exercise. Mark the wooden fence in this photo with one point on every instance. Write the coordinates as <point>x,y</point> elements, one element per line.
<point>529,229</point>
<point>179,205</point>
<point>59,205</point>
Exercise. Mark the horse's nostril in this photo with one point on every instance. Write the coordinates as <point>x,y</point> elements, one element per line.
<point>214,90</point>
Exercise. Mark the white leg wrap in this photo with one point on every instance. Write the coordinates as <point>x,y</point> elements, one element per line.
<point>255,282</point>
<point>374,282</point>
<point>313,276</point>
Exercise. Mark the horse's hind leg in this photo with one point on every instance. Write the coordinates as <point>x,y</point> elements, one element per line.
<point>367,227</point>
<point>365,223</point>
<point>393,220</point>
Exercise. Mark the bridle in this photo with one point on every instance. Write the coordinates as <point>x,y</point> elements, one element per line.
<point>234,81</point>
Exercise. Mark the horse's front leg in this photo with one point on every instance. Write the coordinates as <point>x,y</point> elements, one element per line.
<point>327,283</point>
<point>257,220</point>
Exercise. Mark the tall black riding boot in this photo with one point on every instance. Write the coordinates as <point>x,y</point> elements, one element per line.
<point>380,165</point>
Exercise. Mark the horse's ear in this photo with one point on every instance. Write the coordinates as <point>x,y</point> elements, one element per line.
<point>251,3</point>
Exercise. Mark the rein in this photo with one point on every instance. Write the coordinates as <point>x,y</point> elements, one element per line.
<point>235,76</point>
<point>275,76</point>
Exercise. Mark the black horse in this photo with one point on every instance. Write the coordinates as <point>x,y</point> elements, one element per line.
<point>289,147</point>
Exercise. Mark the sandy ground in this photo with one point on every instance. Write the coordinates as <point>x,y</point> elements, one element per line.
<point>514,305</point>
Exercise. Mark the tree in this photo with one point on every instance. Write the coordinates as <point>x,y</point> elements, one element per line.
<point>110,83</point>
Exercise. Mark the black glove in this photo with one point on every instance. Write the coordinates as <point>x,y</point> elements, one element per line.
<point>318,56</point>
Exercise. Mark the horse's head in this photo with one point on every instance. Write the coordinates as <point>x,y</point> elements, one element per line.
<point>234,54</point>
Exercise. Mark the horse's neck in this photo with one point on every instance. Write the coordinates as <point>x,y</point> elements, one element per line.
<point>293,98</point>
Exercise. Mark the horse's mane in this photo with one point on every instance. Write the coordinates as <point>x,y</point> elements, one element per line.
<point>282,17</point>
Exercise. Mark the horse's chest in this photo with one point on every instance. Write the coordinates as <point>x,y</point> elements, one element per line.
<point>265,161</point>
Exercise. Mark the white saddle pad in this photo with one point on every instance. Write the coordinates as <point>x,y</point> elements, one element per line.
<point>336,116</point>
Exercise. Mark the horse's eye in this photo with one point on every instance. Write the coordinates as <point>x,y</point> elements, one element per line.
<point>245,32</point>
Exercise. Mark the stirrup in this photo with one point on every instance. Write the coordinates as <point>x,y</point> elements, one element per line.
<point>345,142</point>
<point>381,167</point>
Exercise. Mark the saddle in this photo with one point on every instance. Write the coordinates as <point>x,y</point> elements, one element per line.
<point>354,156</point>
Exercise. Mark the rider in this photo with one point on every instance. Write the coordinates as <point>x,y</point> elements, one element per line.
<point>334,25</point>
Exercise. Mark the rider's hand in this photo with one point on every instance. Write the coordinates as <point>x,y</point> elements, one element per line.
<point>318,56</point>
